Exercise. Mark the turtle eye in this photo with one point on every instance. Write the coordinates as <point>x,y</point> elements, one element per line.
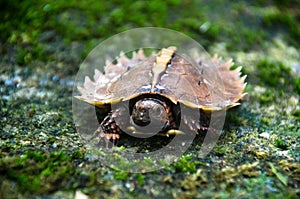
<point>141,108</point>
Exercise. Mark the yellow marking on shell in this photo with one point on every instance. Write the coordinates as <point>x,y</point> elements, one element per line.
<point>205,108</point>
<point>161,62</point>
<point>98,102</point>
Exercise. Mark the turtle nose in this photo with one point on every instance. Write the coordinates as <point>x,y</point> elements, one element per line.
<point>140,115</point>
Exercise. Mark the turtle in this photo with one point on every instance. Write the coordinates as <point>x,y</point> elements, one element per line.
<point>151,91</point>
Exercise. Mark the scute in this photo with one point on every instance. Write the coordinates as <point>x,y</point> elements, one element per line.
<point>135,81</point>
<point>210,85</point>
<point>194,82</point>
<point>114,85</point>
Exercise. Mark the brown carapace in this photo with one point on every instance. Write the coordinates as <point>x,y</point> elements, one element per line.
<point>151,91</point>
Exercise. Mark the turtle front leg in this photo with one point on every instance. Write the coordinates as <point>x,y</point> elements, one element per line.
<point>109,128</point>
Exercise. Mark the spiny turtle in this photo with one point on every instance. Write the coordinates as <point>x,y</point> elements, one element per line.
<point>151,91</point>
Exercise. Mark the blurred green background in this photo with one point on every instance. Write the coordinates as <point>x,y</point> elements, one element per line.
<point>242,25</point>
<point>42,44</point>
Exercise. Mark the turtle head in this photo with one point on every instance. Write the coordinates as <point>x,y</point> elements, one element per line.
<point>150,112</point>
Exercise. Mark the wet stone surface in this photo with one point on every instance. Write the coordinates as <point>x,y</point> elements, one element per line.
<point>42,155</point>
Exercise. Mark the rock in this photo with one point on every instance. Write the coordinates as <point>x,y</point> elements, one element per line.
<point>265,135</point>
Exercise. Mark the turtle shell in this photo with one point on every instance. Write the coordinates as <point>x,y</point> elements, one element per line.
<point>194,82</point>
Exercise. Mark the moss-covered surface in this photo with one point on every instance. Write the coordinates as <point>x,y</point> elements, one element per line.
<point>42,44</point>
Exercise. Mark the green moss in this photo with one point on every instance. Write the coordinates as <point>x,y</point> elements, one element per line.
<point>21,16</point>
<point>45,123</point>
<point>220,150</point>
<point>278,77</point>
<point>23,57</point>
<point>268,96</point>
<point>51,140</point>
<point>140,179</point>
<point>297,85</point>
<point>273,73</point>
<point>296,113</point>
<point>285,22</point>
<point>279,143</point>
<point>187,164</point>
<point>119,174</point>
<point>37,172</point>
<point>78,154</point>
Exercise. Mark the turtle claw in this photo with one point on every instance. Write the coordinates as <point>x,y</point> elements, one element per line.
<point>174,132</point>
<point>110,136</point>
<point>107,137</point>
